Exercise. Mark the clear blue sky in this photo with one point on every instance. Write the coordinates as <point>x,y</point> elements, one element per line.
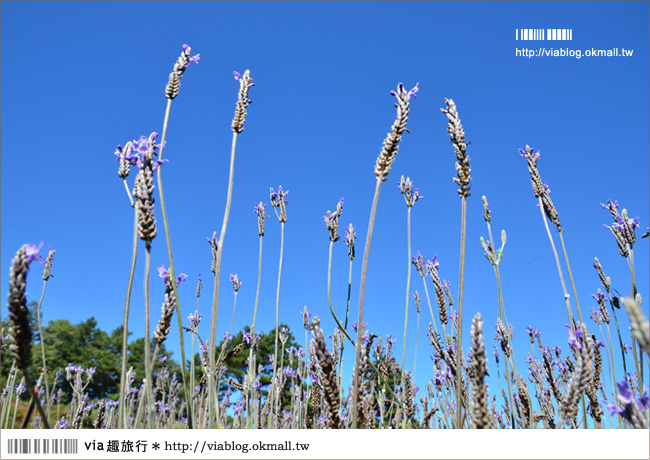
<point>79,78</point>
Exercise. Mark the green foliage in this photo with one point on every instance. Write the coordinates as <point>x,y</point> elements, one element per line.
<point>84,345</point>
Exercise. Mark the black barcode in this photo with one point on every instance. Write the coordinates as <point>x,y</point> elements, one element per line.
<point>42,446</point>
<point>544,34</point>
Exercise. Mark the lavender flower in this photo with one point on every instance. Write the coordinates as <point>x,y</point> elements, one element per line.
<point>390,147</point>
<point>236,284</point>
<point>332,221</point>
<point>214,245</point>
<point>350,236</point>
<point>406,189</point>
<point>419,263</point>
<point>183,62</point>
<point>631,410</point>
<point>278,200</point>
<point>260,210</point>
<point>245,84</point>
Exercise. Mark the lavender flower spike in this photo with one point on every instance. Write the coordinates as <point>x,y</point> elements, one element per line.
<point>390,147</point>
<point>182,63</point>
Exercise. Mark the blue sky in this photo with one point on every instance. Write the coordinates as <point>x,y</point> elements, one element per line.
<point>79,78</point>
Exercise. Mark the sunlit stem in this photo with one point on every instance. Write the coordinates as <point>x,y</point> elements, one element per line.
<point>172,273</point>
<point>122,414</point>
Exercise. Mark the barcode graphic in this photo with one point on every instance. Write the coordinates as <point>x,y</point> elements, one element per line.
<point>544,34</point>
<point>42,446</point>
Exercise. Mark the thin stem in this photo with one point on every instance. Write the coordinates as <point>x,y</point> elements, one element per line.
<point>459,329</point>
<point>251,365</point>
<point>415,353</point>
<point>40,332</point>
<point>128,192</point>
<point>345,326</point>
<point>329,296</point>
<point>122,415</point>
<point>147,342</point>
<point>433,319</point>
<point>172,273</point>
<point>364,269</point>
<point>215,300</point>
<point>638,361</point>
<point>559,268</point>
<point>408,282</point>
<point>573,285</point>
<point>30,387</point>
<point>277,319</point>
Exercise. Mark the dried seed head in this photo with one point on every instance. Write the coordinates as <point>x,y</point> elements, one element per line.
<point>47,270</point>
<point>123,156</point>
<point>390,147</point>
<point>487,215</point>
<point>478,363</point>
<point>245,84</point>
<point>278,201</point>
<point>168,306</point>
<point>604,280</point>
<point>260,210</point>
<point>457,137</point>
<point>199,285</point>
<point>21,332</point>
<point>350,236</point>
<point>332,221</point>
<point>329,380</point>
<point>214,246</point>
<point>639,322</point>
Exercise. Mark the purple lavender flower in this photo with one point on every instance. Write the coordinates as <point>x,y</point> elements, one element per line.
<point>496,354</point>
<point>536,156</point>
<point>164,274</point>
<point>32,252</point>
<point>355,326</point>
<point>236,284</point>
<point>411,92</point>
<point>195,320</point>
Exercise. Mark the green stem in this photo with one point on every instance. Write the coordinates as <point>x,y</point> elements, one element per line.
<point>415,352</point>
<point>277,319</point>
<point>364,269</point>
<point>433,319</point>
<point>559,268</point>
<point>172,273</point>
<point>215,300</point>
<point>408,283</point>
<point>147,341</point>
<point>573,285</point>
<point>345,326</point>
<point>459,402</point>
<point>329,297</point>
<point>122,415</point>
<point>40,332</point>
<point>638,361</point>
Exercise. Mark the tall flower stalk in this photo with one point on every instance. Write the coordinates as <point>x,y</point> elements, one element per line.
<point>21,332</point>
<point>147,231</point>
<point>350,237</point>
<point>171,92</point>
<point>623,230</point>
<point>279,203</point>
<point>457,137</point>
<point>410,197</point>
<point>382,168</point>
<point>47,273</point>
<point>494,256</point>
<point>126,159</point>
<point>541,192</point>
<point>237,127</point>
